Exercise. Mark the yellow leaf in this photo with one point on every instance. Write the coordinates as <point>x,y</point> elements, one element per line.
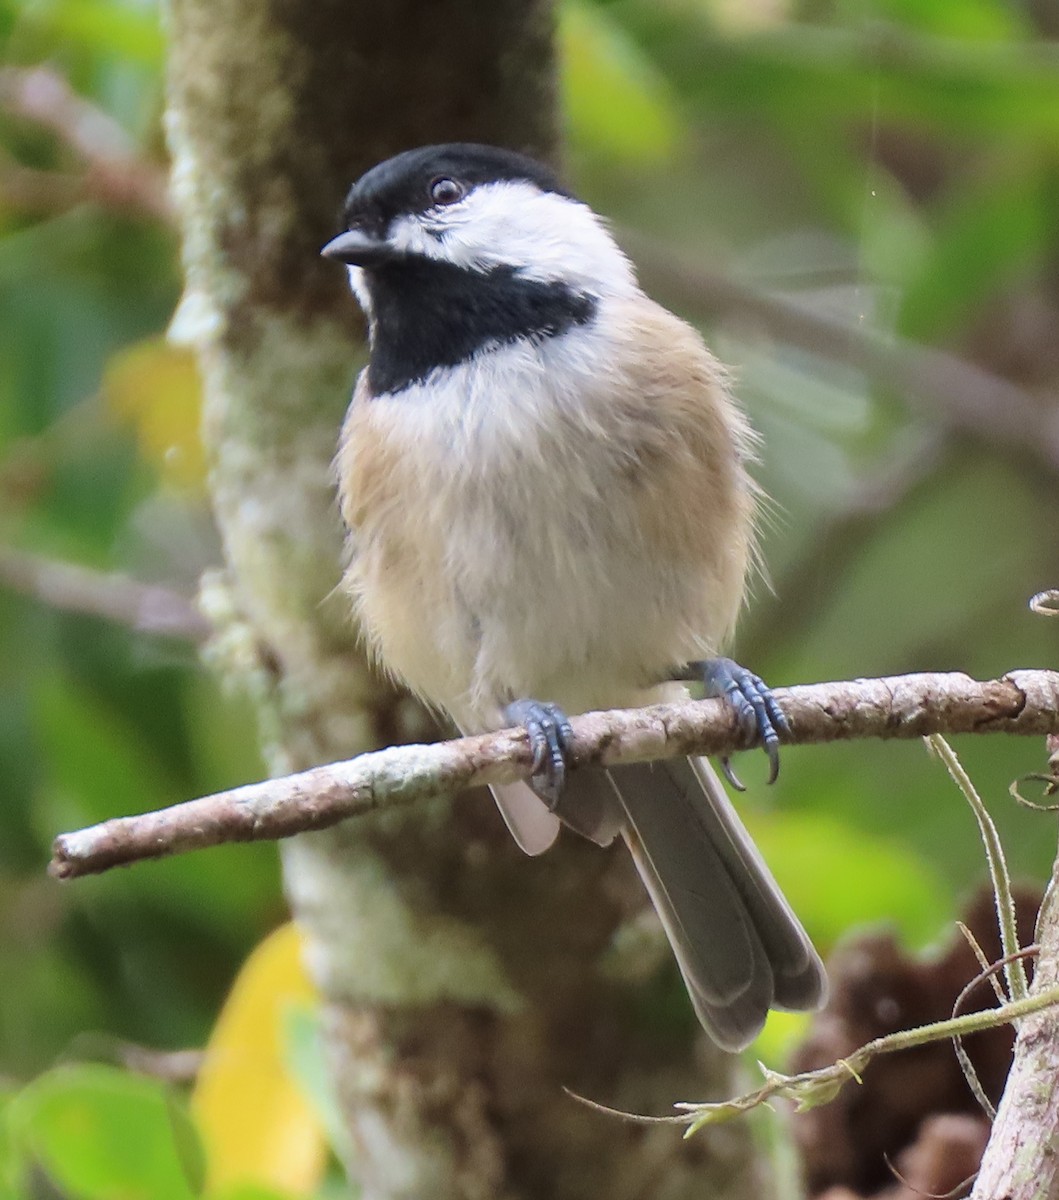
<point>155,387</point>
<point>256,1124</point>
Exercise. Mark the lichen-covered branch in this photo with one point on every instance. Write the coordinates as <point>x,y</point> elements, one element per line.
<point>1021,1161</point>
<point>1025,702</point>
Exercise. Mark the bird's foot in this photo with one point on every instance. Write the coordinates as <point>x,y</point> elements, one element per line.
<point>549,731</point>
<point>756,710</point>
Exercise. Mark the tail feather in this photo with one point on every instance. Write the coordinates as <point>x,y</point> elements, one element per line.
<point>800,982</point>
<point>588,806</point>
<point>529,820</point>
<point>739,946</point>
<point>736,940</point>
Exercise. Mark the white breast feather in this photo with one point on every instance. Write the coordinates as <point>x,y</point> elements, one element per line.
<point>549,588</point>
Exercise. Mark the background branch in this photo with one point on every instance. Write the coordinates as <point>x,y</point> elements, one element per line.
<point>145,607</point>
<point>116,175</point>
<point>1023,702</point>
<point>967,398</point>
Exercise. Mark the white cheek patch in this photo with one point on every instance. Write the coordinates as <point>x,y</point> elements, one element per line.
<point>359,287</point>
<point>513,223</point>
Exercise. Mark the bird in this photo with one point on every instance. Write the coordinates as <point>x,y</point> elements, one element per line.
<point>546,482</point>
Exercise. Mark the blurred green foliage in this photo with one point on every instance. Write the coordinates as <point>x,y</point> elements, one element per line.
<point>96,1131</point>
<point>892,162</point>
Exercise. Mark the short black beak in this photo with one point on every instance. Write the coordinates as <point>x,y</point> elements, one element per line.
<point>359,249</point>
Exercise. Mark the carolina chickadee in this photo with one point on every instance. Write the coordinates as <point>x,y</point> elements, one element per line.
<point>544,475</point>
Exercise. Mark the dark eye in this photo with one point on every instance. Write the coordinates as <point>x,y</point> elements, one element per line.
<point>446,191</point>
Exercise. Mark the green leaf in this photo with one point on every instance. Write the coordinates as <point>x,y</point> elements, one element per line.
<point>836,875</point>
<point>104,1134</point>
<point>98,766</point>
<point>973,20</point>
<point>993,232</point>
<point>250,1191</point>
<point>617,104</point>
<point>827,78</point>
<point>10,1160</point>
<point>186,1142</point>
<point>129,31</point>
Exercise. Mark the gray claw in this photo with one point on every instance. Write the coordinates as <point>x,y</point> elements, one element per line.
<point>731,776</point>
<point>549,732</point>
<point>756,710</point>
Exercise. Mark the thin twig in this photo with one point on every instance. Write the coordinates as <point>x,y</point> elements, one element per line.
<point>809,1089</point>
<point>1000,877</point>
<point>1023,702</point>
<point>1051,786</point>
<point>145,607</point>
<point>1046,603</point>
<point>984,963</point>
<point>989,971</point>
<point>37,191</point>
<point>952,1194</point>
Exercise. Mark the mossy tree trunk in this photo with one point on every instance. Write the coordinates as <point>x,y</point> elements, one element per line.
<point>464,984</point>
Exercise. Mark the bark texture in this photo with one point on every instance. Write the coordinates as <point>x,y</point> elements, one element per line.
<point>464,983</point>
<point>1021,1161</point>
